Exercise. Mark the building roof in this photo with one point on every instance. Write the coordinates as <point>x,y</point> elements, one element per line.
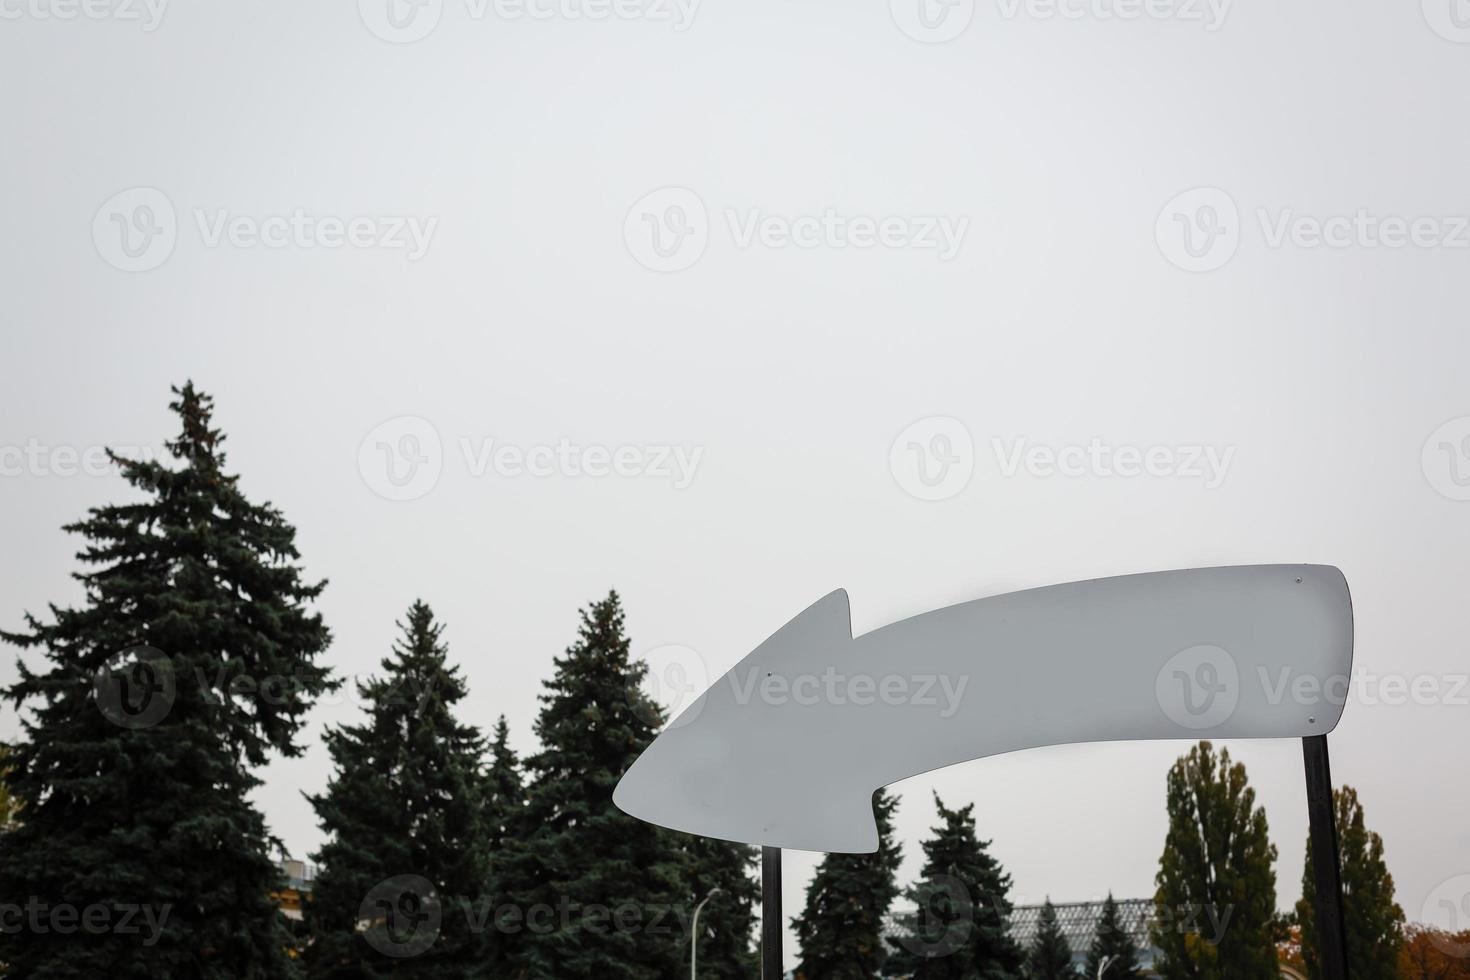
<point>1078,921</point>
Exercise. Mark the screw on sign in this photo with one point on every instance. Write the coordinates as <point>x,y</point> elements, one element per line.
<point>1151,656</point>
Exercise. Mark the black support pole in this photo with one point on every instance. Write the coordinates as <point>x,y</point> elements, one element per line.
<point>771,919</point>
<point>1326,873</point>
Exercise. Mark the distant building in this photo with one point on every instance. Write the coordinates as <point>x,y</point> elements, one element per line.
<point>1078,921</point>
<point>297,887</point>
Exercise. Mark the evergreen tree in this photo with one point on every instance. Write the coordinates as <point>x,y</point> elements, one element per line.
<point>1216,898</point>
<point>505,790</point>
<point>192,658</point>
<point>1374,922</point>
<point>962,905</point>
<point>505,795</point>
<point>1111,944</point>
<point>1050,956</point>
<point>593,893</point>
<point>405,824</point>
<point>840,930</point>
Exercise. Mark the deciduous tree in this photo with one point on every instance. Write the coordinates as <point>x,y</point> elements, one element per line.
<point>1434,954</point>
<point>1216,896</point>
<point>1372,919</point>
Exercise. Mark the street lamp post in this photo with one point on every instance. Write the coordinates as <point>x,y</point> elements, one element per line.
<point>1107,961</point>
<point>694,934</point>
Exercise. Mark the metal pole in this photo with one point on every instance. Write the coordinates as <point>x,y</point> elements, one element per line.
<point>1326,871</point>
<point>772,924</point>
<point>694,935</point>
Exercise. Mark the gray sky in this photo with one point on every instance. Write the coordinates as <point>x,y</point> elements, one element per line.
<point>776,235</point>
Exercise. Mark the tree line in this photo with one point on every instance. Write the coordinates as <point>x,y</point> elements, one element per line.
<point>195,655</point>
<point>134,849</point>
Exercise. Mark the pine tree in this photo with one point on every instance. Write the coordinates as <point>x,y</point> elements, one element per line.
<point>1050,957</point>
<point>1216,898</point>
<point>192,658</point>
<point>593,893</point>
<point>1374,922</point>
<point>505,791</point>
<point>962,905</point>
<point>1111,944</point>
<point>840,931</point>
<point>405,808</point>
<point>505,796</point>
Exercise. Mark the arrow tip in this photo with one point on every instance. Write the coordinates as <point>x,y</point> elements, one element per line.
<point>735,766</point>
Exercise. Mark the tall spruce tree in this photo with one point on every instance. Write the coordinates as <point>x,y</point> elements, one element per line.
<point>192,658</point>
<point>962,905</point>
<point>505,790</point>
<point>505,795</point>
<point>1050,956</point>
<point>840,930</point>
<point>1216,898</point>
<point>593,893</point>
<point>404,817</point>
<point>1113,946</point>
<point>1374,922</point>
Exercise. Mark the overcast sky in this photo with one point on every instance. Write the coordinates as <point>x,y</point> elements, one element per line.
<point>728,254</point>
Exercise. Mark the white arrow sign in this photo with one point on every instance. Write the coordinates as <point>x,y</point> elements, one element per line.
<point>788,748</point>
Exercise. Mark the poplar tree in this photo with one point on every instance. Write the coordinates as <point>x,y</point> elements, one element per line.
<point>840,930</point>
<point>192,657</point>
<point>1373,921</point>
<point>1216,898</point>
<point>404,817</point>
